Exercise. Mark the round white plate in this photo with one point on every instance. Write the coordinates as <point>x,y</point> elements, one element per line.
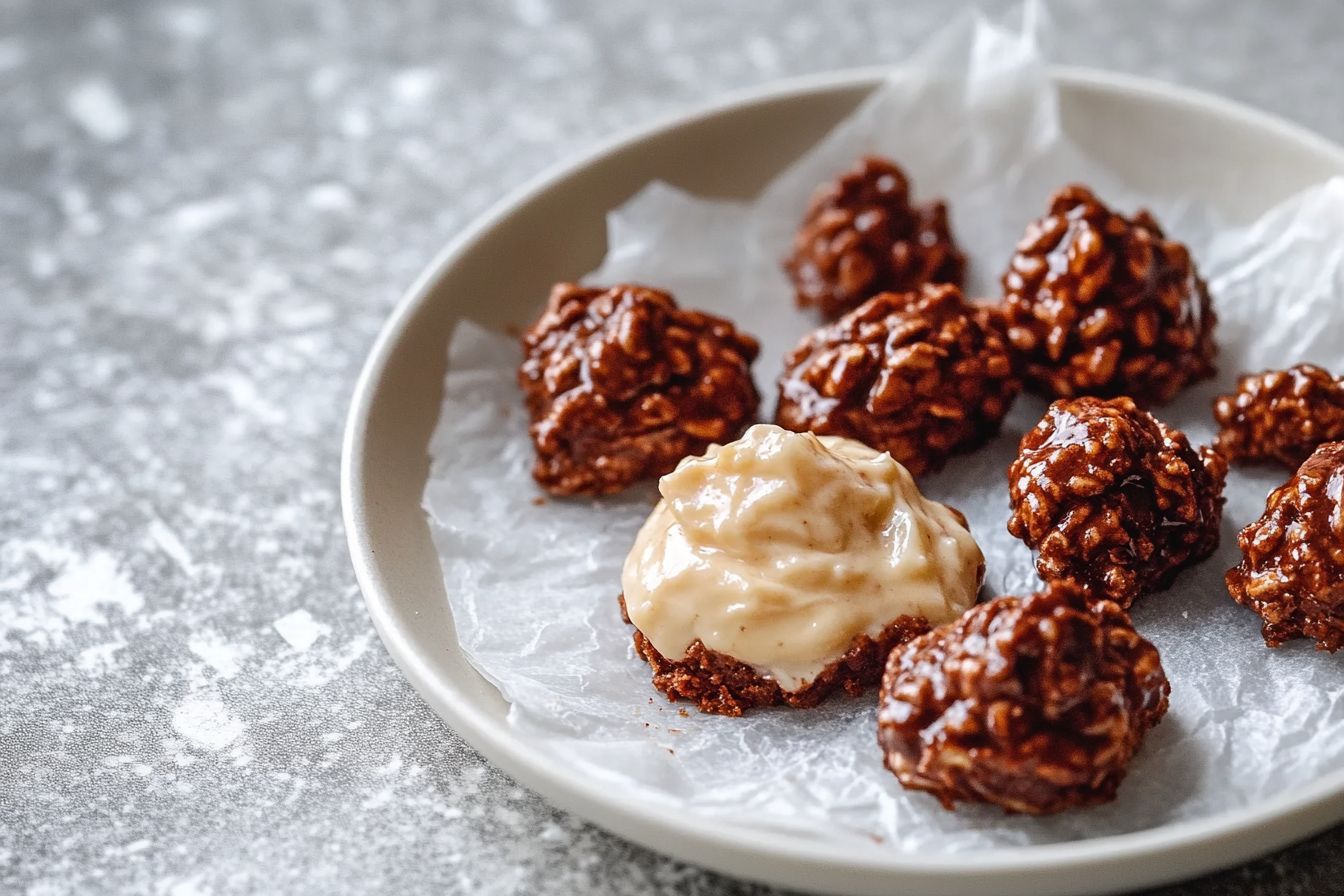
<point>1163,139</point>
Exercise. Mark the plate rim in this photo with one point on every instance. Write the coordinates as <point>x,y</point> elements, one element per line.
<point>1221,839</point>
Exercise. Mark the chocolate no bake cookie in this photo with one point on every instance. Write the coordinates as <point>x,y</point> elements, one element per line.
<point>1280,416</point>
<point>914,374</point>
<point>1035,704</point>
<point>1292,566</point>
<point>784,566</point>
<point>621,384</point>
<point>719,684</point>
<point>862,236</point>
<point>1113,498</point>
<point>1099,304</point>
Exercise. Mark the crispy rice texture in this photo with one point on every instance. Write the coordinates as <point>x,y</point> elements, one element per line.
<point>719,684</point>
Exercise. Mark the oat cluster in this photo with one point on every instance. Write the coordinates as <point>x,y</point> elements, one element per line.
<point>1095,303</point>
<point>621,384</point>
<point>723,685</point>
<point>1280,416</point>
<point>1292,566</point>
<point>1035,704</point>
<point>861,236</point>
<point>1114,499</point>
<point>915,374</point>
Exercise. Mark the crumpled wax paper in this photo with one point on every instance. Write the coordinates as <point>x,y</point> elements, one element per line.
<point>533,584</point>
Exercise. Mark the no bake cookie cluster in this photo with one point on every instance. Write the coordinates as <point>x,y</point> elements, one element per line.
<point>1095,303</point>
<point>1113,499</point>
<point>621,384</point>
<point>1280,416</point>
<point>1032,703</point>
<point>862,236</point>
<point>914,374</point>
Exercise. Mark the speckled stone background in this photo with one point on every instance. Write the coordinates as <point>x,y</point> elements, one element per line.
<point>206,212</point>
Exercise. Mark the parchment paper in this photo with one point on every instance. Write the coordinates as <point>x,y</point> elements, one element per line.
<point>533,584</point>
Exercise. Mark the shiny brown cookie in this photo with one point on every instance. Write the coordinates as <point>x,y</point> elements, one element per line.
<point>1114,499</point>
<point>621,384</point>
<point>1036,704</point>
<point>1292,566</point>
<point>1095,303</point>
<point>1280,416</point>
<point>862,236</point>
<point>914,374</point>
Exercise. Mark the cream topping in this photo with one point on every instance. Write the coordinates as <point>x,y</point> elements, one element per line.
<point>781,548</point>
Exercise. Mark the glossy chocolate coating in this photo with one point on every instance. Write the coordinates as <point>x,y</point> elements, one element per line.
<point>915,374</point>
<point>621,384</point>
<point>1292,567</point>
<point>862,236</point>
<point>1113,498</point>
<point>1095,303</point>
<point>1280,416</point>
<point>1036,704</point>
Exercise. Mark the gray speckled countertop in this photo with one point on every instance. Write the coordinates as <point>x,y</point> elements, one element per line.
<point>206,212</point>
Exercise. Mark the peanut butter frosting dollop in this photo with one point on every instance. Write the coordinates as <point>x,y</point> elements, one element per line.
<point>780,548</point>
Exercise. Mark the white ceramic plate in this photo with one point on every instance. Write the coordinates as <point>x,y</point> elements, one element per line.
<point>1163,139</point>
